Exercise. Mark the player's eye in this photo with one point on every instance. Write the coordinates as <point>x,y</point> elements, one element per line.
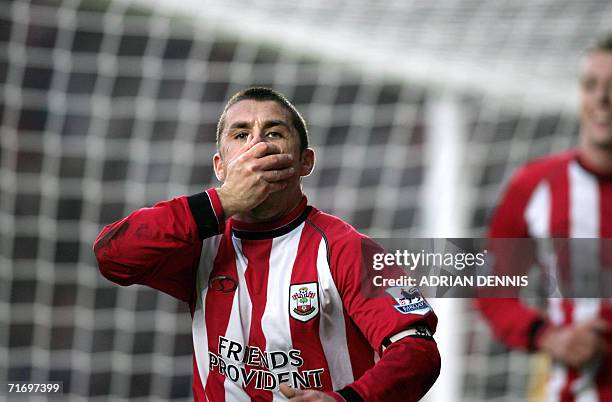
<point>241,135</point>
<point>274,134</point>
<point>588,84</point>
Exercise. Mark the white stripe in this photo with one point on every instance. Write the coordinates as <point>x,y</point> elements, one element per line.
<point>555,311</point>
<point>537,213</point>
<point>584,203</point>
<point>585,258</point>
<point>584,223</point>
<point>558,375</point>
<point>584,388</point>
<point>243,314</point>
<point>275,319</point>
<point>332,329</point>
<point>239,324</point>
<point>210,247</point>
<point>585,309</point>
<point>537,216</point>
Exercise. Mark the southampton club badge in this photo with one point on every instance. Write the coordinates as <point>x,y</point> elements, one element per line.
<point>409,300</point>
<point>304,301</point>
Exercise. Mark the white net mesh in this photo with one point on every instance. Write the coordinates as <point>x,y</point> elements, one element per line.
<point>110,106</point>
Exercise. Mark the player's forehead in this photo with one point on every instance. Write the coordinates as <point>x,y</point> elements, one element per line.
<point>597,64</point>
<point>252,112</point>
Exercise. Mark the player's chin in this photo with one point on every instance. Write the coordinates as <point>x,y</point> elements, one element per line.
<point>270,209</point>
<point>603,139</point>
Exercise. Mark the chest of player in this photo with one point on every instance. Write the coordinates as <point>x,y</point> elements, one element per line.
<point>271,294</point>
<point>570,203</point>
<point>270,305</point>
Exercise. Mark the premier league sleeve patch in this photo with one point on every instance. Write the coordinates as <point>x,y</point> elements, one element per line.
<point>409,300</point>
<point>304,301</point>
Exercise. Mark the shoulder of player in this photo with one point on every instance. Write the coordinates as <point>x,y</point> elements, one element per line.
<point>345,245</point>
<point>536,170</point>
<point>333,229</point>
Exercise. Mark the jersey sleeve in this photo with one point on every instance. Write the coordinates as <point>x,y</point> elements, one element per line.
<point>160,246</point>
<point>405,372</point>
<point>513,322</point>
<point>374,309</point>
<point>508,219</point>
<point>409,366</point>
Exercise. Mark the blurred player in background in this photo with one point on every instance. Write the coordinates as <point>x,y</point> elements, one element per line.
<point>567,195</point>
<point>273,284</point>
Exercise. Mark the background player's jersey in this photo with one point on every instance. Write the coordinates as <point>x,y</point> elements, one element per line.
<point>557,197</point>
<point>286,302</point>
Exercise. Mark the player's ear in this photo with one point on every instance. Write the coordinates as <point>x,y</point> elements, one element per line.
<point>307,162</point>
<point>218,166</point>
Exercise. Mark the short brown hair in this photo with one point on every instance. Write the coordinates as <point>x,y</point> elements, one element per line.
<point>601,44</point>
<point>263,94</point>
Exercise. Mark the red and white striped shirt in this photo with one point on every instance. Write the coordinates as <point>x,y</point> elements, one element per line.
<point>282,302</point>
<point>557,197</point>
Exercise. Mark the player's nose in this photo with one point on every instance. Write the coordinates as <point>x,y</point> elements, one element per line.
<point>603,94</point>
<point>257,136</point>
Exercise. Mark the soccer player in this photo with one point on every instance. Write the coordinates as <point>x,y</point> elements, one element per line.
<point>566,195</point>
<point>275,286</point>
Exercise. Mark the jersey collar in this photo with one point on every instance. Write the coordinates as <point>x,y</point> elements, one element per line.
<point>270,230</point>
<point>590,168</point>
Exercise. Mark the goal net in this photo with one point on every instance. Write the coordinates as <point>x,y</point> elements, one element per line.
<point>108,106</point>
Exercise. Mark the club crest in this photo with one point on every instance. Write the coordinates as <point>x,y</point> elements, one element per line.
<point>304,301</point>
<point>409,301</point>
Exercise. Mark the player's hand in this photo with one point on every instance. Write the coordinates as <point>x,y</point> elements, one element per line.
<point>256,172</point>
<point>309,395</point>
<point>577,344</point>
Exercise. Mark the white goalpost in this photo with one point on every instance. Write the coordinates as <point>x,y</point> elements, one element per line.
<point>445,216</point>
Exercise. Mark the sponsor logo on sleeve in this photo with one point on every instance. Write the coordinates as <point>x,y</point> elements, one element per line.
<point>409,300</point>
<point>304,301</point>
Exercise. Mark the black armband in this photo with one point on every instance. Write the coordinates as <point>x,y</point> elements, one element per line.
<point>203,214</point>
<point>418,331</point>
<point>350,395</point>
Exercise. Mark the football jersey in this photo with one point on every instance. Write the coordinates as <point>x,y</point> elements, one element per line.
<point>282,302</point>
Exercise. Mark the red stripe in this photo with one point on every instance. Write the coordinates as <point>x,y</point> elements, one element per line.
<point>605,208</point>
<point>196,386</point>
<point>604,376</point>
<point>257,253</point>
<point>305,335</point>
<point>218,308</point>
<point>605,222</point>
<point>196,382</point>
<point>559,208</point>
<point>566,393</point>
<point>560,221</point>
<point>360,352</point>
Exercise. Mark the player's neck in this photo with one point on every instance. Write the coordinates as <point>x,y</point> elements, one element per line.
<point>598,159</point>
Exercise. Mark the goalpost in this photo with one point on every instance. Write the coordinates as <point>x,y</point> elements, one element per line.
<point>445,217</point>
